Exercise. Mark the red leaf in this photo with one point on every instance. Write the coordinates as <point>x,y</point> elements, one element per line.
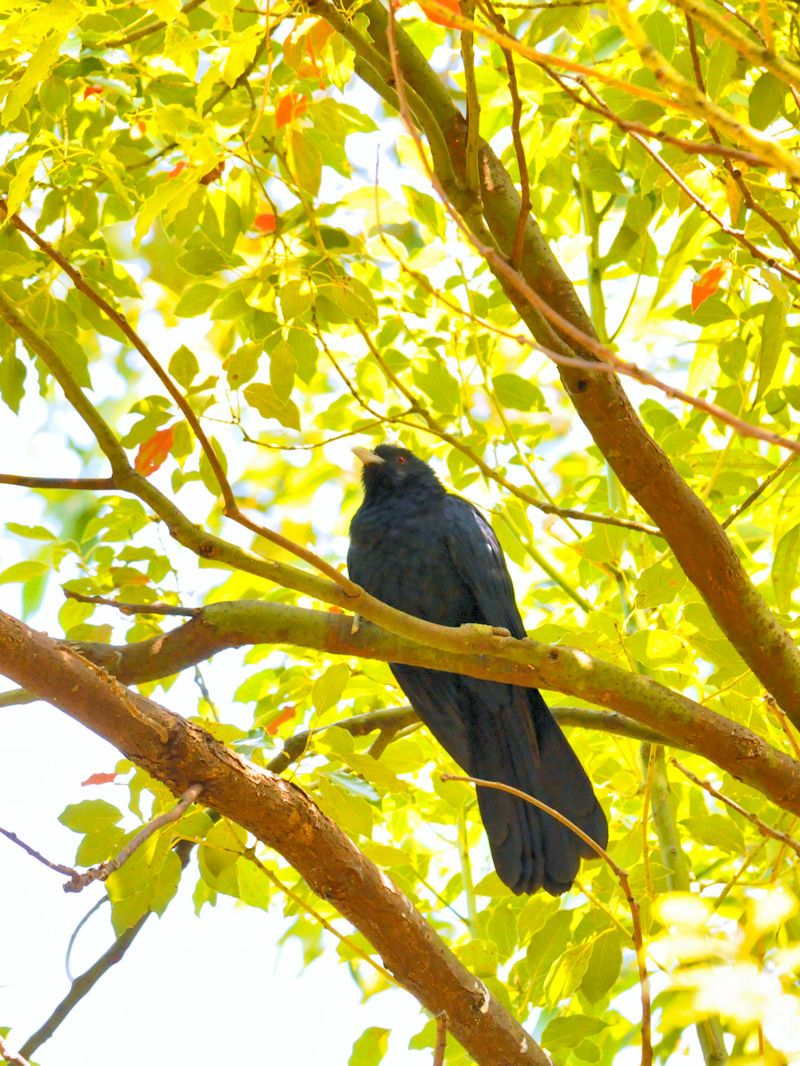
<point>285,715</point>
<point>153,452</point>
<point>141,126</point>
<point>707,284</point>
<point>265,222</point>
<point>92,90</point>
<point>99,779</point>
<point>182,165</point>
<point>290,107</point>
<point>442,20</point>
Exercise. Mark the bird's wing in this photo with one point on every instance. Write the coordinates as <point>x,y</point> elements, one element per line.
<point>479,560</point>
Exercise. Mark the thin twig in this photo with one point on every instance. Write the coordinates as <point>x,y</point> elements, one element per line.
<point>81,985</point>
<point>519,147</point>
<point>608,361</point>
<point>754,495</point>
<point>785,724</point>
<point>101,483</point>
<point>133,608</point>
<point>762,827</point>
<point>488,471</point>
<point>59,869</point>
<point>148,28</point>
<point>734,172</point>
<point>104,869</point>
<point>621,875</point>
<point>121,322</point>
<point>441,1040</point>
<point>324,923</point>
<point>737,234</point>
<point>16,697</point>
<point>618,366</point>
<point>349,587</point>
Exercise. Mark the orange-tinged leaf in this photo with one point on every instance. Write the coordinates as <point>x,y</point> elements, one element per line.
<point>439,19</point>
<point>286,715</point>
<point>99,779</point>
<point>141,126</point>
<point>290,107</point>
<point>265,222</point>
<point>92,90</point>
<point>708,283</point>
<point>153,452</point>
<point>181,165</point>
<point>318,36</point>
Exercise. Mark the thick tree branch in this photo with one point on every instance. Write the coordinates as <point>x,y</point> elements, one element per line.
<point>280,815</point>
<point>522,662</point>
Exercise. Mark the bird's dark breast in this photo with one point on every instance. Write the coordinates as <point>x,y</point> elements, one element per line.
<point>402,558</point>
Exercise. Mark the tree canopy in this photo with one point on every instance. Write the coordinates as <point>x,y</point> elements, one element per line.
<point>551,247</point>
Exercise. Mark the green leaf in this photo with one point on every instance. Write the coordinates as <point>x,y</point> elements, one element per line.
<point>370,1047</point>
<point>12,380</point>
<point>722,60</point>
<point>305,160</point>
<point>203,261</point>
<point>146,882</point>
<point>32,532</point>
<point>438,384</point>
<point>773,331</point>
<point>717,831</point>
<point>661,32</point>
<point>659,584</point>
<point>765,100</point>
<point>784,568</point>
<point>23,571</point>
<point>567,972</point>
<point>34,71</point>
<point>569,1030</point>
<point>517,393</point>
<point>329,686</point>
<point>352,299</point>
<point>352,812</point>
<point>243,365</point>
<point>426,210</point>
<point>197,300</point>
<point>183,366</point>
<point>89,816</point>
<point>282,366</point>
<point>604,966</point>
<point>269,405</point>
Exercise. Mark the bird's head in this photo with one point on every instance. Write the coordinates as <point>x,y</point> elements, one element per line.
<point>391,470</point>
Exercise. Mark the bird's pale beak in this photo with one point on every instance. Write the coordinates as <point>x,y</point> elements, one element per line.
<point>367,457</point>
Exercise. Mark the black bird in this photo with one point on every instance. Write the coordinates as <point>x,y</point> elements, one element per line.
<point>429,553</point>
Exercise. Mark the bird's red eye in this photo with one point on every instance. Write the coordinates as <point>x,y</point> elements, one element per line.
<point>401,459</point>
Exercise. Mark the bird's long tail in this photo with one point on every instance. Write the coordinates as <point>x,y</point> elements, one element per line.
<point>516,741</point>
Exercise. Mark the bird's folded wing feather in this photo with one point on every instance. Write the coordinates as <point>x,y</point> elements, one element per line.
<point>479,560</point>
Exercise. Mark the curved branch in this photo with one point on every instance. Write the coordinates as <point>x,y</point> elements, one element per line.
<point>521,662</point>
<point>279,814</point>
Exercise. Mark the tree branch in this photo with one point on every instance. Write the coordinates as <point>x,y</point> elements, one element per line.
<point>521,662</point>
<point>180,753</point>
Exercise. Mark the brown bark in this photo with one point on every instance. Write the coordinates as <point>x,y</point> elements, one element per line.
<point>279,814</point>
